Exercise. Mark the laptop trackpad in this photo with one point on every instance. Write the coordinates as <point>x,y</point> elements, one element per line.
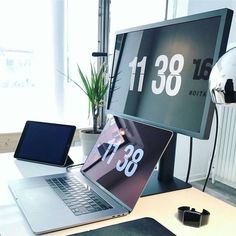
<point>35,201</point>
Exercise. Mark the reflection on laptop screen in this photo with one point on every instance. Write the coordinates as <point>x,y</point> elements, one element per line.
<point>124,157</point>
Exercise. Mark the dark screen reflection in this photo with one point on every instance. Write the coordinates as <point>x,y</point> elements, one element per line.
<point>124,157</point>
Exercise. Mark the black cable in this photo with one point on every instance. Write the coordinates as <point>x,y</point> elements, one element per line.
<point>190,158</point>
<point>68,168</point>
<point>214,148</point>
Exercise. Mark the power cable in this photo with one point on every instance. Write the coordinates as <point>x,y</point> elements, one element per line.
<point>214,148</point>
<point>190,159</point>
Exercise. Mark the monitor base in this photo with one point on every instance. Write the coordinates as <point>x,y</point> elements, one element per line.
<point>155,186</point>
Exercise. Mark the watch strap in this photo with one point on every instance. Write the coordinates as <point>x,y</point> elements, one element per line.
<point>189,216</point>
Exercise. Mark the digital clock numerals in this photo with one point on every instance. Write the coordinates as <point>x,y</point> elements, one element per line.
<point>130,166</point>
<point>162,63</point>
<point>169,70</point>
<point>202,69</point>
<point>133,64</point>
<point>175,66</point>
<point>130,161</point>
<point>111,148</point>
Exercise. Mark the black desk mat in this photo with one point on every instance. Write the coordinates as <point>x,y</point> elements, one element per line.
<point>144,226</point>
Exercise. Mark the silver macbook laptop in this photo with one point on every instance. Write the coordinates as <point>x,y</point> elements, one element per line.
<point>108,185</point>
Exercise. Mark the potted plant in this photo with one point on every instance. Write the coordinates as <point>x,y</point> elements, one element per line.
<point>95,88</point>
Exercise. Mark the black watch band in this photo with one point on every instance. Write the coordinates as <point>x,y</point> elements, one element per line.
<point>189,216</point>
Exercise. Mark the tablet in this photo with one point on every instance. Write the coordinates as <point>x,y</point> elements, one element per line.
<point>47,143</point>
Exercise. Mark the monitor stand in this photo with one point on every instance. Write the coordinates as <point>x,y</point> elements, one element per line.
<point>163,180</point>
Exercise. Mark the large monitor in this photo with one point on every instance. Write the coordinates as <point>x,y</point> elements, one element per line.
<point>160,74</point>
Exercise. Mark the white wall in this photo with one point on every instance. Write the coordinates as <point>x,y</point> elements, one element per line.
<point>202,149</point>
<point>201,154</point>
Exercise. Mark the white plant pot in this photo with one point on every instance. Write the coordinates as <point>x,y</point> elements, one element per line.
<point>88,140</point>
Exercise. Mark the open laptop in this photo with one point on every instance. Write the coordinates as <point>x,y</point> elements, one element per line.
<point>115,174</point>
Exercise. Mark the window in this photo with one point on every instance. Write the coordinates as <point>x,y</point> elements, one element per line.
<point>36,38</point>
<point>82,34</point>
<point>26,90</point>
<point>127,14</point>
<point>42,38</point>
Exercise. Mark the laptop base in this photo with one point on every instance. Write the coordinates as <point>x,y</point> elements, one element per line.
<point>155,186</point>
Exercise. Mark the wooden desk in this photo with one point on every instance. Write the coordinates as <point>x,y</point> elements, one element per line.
<point>162,207</point>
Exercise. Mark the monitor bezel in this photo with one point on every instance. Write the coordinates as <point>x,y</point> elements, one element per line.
<point>221,45</point>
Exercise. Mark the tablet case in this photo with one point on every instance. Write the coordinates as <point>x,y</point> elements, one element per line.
<point>144,226</point>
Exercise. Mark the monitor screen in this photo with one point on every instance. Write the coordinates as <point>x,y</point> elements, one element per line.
<point>160,72</point>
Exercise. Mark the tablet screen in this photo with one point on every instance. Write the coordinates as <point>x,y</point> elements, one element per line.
<point>45,142</point>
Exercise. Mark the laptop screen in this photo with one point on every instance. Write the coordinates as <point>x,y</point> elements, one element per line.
<point>124,157</point>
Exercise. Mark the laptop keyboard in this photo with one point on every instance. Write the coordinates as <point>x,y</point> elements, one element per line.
<point>76,196</point>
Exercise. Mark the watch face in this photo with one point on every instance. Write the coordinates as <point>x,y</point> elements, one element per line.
<point>192,218</point>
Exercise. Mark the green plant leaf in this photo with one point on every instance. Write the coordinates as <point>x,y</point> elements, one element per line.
<point>95,88</point>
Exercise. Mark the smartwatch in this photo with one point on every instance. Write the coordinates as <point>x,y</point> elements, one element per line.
<point>191,217</point>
